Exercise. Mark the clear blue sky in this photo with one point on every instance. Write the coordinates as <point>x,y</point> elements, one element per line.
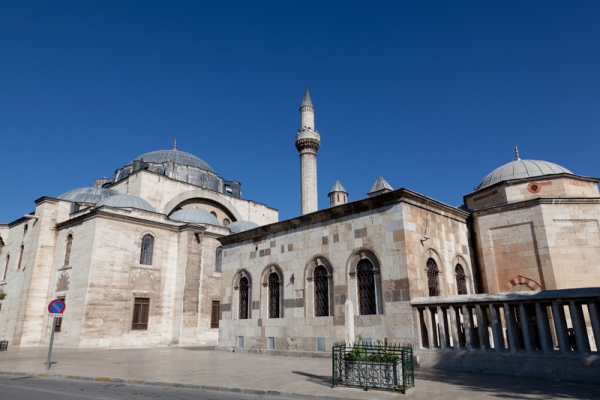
<point>429,95</point>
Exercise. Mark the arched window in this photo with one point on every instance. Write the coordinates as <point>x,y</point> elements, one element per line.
<point>6,267</point>
<point>321,292</point>
<point>25,228</point>
<point>244,286</point>
<point>218,259</point>
<point>226,221</point>
<point>147,248</point>
<point>366,287</point>
<point>274,295</point>
<point>461,281</point>
<point>20,257</point>
<point>68,250</point>
<point>432,277</point>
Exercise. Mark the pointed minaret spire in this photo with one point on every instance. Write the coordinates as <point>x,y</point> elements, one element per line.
<point>338,195</point>
<point>175,143</point>
<point>308,142</point>
<point>517,152</point>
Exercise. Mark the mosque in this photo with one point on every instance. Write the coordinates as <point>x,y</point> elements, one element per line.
<point>167,252</point>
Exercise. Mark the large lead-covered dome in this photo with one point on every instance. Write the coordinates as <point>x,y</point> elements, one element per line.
<point>176,156</point>
<point>521,169</point>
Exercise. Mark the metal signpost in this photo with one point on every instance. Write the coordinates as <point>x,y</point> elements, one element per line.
<point>55,309</point>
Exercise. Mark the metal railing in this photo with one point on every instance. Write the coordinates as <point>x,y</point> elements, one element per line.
<point>376,366</point>
<point>551,322</point>
<point>3,345</point>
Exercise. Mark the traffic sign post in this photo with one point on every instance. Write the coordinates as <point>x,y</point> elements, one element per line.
<point>55,310</point>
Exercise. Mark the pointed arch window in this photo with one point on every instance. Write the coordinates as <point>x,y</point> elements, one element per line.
<point>461,280</point>
<point>147,249</point>
<point>68,250</point>
<point>366,287</point>
<point>274,295</point>
<point>321,292</point>
<point>432,278</point>
<point>244,302</point>
<point>218,259</point>
<point>21,250</point>
<point>6,267</point>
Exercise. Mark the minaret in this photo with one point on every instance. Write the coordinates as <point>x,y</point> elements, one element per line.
<point>308,142</point>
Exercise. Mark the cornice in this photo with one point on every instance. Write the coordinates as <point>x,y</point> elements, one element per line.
<point>355,207</point>
<point>536,202</point>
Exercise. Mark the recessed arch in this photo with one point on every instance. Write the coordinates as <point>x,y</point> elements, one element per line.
<point>318,292</point>
<point>205,195</point>
<point>364,273</point>
<point>521,281</point>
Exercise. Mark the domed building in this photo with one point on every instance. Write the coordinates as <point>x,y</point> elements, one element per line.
<point>535,227</point>
<point>136,257</point>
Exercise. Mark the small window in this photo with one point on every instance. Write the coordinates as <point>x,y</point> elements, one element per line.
<point>321,344</point>
<point>432,278</point>
<point>274,295</point>
<point>366,287</point>
<point>6,267</point>
<point>141,308</point>
<point>240,342</point>
<point>244,286</point>
<point>68,250</point>
<point>226,221</point>
<point>461,280</point>
<point>214,314</point>
<point>20,257</point>
<point>271,344</point>
<point>25,229</point>
<point>214,214</point>
<point>147,248</point>
<point>218,259</point>
<point>58,321</point>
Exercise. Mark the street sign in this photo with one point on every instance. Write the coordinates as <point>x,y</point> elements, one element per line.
<point>56,306</point>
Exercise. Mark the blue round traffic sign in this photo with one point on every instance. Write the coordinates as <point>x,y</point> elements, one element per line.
<point>56,306</point>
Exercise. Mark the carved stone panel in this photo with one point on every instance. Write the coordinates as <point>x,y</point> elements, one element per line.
<point>62,284</point>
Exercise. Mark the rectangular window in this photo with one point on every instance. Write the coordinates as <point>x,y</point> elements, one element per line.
<point>58,321</point>
<point>271,343</point>
<point>321,344</point>
<point>141,308</point>
<point>214,314</point>
<point>240,342</point>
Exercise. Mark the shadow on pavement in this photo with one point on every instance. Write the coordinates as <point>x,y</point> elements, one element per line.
<point>510,387</point>
<point>318,379</point>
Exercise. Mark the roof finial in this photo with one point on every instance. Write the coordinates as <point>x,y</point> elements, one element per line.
<point>175,144</point>
<point>517,152</point>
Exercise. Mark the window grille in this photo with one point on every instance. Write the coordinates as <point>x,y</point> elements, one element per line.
<point>274,295</point>
<point>141,308</point>
<point>432,278</point>
<point>244,298</point>
<point>461,281</point>
<point>20,257</point>
<point>214,315</point>
<point>6,267</point>
<point>68,250</point>
<point>366,287</point>
<point>218,259</point>
<point>147,248</point>
<point>321,292</point>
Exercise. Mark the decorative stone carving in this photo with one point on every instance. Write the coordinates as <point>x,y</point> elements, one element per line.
<point>62,284</point>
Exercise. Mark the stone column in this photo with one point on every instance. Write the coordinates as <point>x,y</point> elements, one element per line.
<point>307,143</point>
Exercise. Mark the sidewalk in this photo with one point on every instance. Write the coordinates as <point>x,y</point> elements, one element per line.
<point>262,374</point>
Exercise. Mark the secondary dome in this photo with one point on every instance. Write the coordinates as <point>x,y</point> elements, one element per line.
<point>241,226</point>
<point>176,156</point>
<point>194,216</point>
<point>521,169</point>
<point>87,195</point>
<point>126,201</point>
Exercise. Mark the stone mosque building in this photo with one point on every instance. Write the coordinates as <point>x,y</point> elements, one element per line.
<point>169,253</point>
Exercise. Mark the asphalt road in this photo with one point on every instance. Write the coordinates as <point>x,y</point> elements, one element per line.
<point>32,388</point>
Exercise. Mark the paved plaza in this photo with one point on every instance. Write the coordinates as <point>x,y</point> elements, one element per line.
<point>257,374</point>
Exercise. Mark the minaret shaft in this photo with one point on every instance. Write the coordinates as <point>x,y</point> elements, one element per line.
<point>308,142</point>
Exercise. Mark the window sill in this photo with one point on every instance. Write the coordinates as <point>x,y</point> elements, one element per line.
<point>144,266</point>
<point>64,268</point>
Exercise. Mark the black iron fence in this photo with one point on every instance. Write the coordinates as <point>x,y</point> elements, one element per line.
<point>376,366</point>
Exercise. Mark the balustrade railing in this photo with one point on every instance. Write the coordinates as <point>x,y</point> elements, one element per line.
<point>550,322</point>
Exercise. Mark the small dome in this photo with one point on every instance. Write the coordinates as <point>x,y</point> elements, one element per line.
<point>241,226</point>
<point>178,157</point>
<point>87,195</point>
<point>126,201</point>
<point>194,216</point>
<point>521,169</point>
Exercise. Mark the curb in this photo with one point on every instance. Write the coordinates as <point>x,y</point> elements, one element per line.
<point>229,389</point>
